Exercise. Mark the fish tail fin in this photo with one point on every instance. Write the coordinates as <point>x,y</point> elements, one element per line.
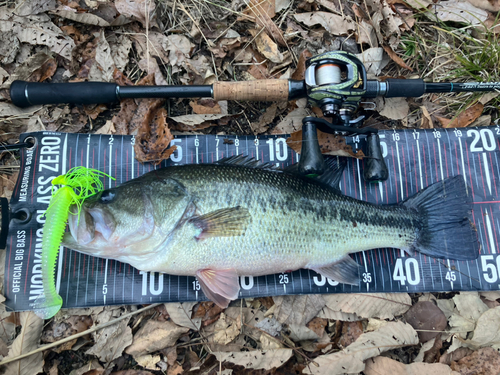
<point>446,230</point>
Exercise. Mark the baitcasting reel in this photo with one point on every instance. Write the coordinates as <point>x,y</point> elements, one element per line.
<point>336,82</point>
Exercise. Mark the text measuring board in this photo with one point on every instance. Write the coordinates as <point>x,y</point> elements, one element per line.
<point>415,160</point>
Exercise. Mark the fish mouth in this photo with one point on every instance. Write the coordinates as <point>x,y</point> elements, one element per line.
<point>90,224</point>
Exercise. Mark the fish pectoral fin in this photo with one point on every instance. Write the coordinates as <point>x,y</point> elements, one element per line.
<point>226,222</point>
<point>345,271</point>
<point>220,286</point>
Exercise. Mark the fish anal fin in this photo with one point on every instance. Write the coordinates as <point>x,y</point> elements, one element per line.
<point>226,222</point>
<point>345,271</point>
<point>220,286</point>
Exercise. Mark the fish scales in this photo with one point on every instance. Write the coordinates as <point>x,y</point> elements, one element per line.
<point>294,223</point>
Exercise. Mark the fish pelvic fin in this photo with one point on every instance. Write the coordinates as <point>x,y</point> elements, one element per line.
<point>219,286</point>
<point>444,210</point>
<point>226,222</point>
<point>345,271</point>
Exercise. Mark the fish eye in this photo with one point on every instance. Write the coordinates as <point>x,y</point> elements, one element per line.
<point>107,196</point>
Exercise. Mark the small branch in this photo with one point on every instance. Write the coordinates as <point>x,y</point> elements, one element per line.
<point>93,329</point>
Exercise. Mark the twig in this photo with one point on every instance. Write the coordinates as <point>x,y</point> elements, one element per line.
<point>67,339</point>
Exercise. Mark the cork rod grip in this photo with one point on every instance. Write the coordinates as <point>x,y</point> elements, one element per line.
<point>266,90</point>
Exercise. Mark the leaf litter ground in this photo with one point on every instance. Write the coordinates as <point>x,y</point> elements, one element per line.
<point>200,42</point>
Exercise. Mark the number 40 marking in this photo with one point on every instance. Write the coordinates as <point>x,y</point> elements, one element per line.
<point>409,273</point>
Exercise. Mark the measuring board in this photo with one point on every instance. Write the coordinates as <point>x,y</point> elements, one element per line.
<point>415,160</point>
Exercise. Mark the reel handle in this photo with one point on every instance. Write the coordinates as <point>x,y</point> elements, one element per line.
<point>375,169</point>
<point>311,160</point>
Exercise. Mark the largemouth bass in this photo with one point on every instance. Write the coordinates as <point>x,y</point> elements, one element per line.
<point>220,221</point>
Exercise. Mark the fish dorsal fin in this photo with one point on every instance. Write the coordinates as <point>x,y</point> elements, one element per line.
<point>247,161</point>
<point>220,286</point>
<point>333,173</point>
<point>345,271</point>
<point>226,222</point>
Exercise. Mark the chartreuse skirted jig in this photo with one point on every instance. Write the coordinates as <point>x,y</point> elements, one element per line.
<point>76,185</point>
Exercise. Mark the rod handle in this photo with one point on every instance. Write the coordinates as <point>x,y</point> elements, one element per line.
<point>25,94</point>
<point>266,90</point>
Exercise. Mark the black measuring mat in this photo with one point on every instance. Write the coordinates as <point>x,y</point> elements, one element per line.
<point>415,158</point>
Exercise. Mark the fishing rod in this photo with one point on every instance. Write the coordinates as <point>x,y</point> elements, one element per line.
<point>334,81</point>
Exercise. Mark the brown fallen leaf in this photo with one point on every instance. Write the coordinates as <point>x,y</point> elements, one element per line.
<point>256,359</point>
<point>131,372</point>
<point>317,325</point>
<point>209,312</point>
<point>300,71</point>
<point>351,360</point>
<point>153,139</point>
<point>427,319</point>
<point>330,144</point>
<point>267,47</point>
<point>205,107</point>
<point>154,336</point>
<point>267,117</point>
<point>427,122</point>
<point>387,366</point>
<point>297,309</point>
<point>482,361</point>
<point>111,341</point>
<point>181,314</point>
<point>56,331</point>
<point>454,356</point>
<point>25,342</point>
<point>367,305</point>
<point>333,23</point>
<point>141,10</point>
<point>434,353</point>
<point>195,122</point>
<point>394,56</point>
<point>464,119</point>
<point>350,333</point>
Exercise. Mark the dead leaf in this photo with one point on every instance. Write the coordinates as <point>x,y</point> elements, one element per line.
<point>482,361</point>
<point>154,336</point>
<point>209,312</point>
<point>195,122</point>
<point>487,331</point>
<point>350,333</point>
<point>153,139</point>
<point>460,11</point>
<point>226,329</point>
<point>393,108</point>
<point>426,317</point>
<point>463,119</point>
<point>333,23</point>
<point>299,332</point>
<point>107,128</point>
<point>370,305</point>
<point>59,330</point>
<point>263,11</point>
<point>297,309</point>
<point>387,366</point>
<point>427,122</point>
<point>205,107</point>
<point>351,359</point>
<point>141,10</point>
<point>270,326</point>
<point>264,120</point>
<point>181,314</point>
<point>111,341</point>
<point>330,144</point>
<point>25,342</point>
<point>469,305</point>
<point>256,359</point>
<point>267,47</point>
<point>92,365</point>
<point>148,361</point>
<point>492,295</point>
<point>374,61</point>
<point>317,325</point>
<point>300,71</point>
<point>292,122</point>
<point>37,30</point>
<point>394,56</point>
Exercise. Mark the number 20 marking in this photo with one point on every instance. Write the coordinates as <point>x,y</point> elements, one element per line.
<point>487,139</point>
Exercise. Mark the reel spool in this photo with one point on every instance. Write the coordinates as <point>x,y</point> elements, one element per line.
<point>335,80</point>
